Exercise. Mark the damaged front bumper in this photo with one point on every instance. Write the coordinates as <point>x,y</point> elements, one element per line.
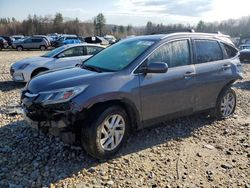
<point>57,119</point>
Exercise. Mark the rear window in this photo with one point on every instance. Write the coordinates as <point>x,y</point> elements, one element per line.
<point>229,51</point>
<point>207,51</point>
<point>92,50</point>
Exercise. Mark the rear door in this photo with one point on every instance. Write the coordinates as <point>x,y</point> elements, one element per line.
<point>170,93</point>
<point>91,50</point>
<point>36,42</point>
<point>212,72</point>
<point>70,57</point>
<point>27,43</point>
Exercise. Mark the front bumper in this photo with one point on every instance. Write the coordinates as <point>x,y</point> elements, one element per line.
<point>56,119</point>
<point>17,76</point>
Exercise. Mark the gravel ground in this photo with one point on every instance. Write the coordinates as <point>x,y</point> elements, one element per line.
<point>195,151</point>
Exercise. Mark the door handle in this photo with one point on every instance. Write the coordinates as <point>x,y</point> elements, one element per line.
<point>189,75</point>
<point>226,66</point>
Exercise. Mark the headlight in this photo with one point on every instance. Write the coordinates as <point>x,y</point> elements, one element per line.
<point>23,66</point>
<point>60,95</point>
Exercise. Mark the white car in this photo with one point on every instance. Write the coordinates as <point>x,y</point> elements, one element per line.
<point>63,57</point>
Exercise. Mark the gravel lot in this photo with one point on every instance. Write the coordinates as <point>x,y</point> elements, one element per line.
<point>194,151</point>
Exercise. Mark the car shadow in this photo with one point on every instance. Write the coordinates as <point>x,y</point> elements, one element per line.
<point>245,85</point>
<point>30,158</point>
<point>10,85</point>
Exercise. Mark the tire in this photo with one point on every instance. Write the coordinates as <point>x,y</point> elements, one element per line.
<point>42,48</point>
<point>19,48</point>
<point>226,104</point>
<point>96,137</point>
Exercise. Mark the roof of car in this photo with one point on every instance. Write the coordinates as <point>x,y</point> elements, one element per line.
<point>82,44</point>
<point>180,34</point>
<point>224,38</point>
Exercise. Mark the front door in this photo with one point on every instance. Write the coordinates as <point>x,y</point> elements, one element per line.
<point>170,93</point>
<point>69,57</point>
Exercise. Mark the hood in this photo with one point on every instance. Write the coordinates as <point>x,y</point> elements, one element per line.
<point>65,78</point>
<point>32,60</point>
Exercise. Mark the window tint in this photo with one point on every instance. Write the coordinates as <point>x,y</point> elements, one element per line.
<point>37,40</point>
<point>174,54</point>
<point>91,50</point>
<point>229,51</point>
<point>207,51</point>
<point>70,38</point>
<point>76,51</point>
<point>28,40</point>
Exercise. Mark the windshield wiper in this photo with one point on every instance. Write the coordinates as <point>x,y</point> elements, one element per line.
<point>92,68</point>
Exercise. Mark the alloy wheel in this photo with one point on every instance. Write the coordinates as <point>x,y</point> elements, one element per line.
<point>112,132</point>
<point>227,104</point>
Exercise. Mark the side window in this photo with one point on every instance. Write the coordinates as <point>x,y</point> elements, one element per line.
<point>207,51</point>
<point>230,51</point>
<point>175,54</point>
<point>28,41</point>
<point>76,51</point>
<point>92,50</point>
<point>37,40</point>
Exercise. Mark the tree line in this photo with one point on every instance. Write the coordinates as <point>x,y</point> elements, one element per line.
<point>34,24</point>
<point>58,24</point>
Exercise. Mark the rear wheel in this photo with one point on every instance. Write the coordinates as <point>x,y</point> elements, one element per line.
<point>226,104</point>
<point>19,48</point>
<point>42,48</point>
<point>105,134</point>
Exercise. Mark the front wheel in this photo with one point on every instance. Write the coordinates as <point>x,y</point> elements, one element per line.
<point>104,135</point>
<point>226,104</point>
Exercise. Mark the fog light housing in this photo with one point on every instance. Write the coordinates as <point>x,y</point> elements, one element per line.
<point>18,77</point>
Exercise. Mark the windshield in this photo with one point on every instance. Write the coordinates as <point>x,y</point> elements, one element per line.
<point>54,52</point>
<point>119,56</point>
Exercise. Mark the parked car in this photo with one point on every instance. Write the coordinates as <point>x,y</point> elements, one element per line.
<point>96,40</point>
<point>244,52</point>
<point>110,38</point>
<point>244,46</point>
<point>31,43</point>
<point>133,84</point>
<point>44,37</point>
<point>17,37</point>
<point>3,43</point>
<point>62,57</point>
<point>8,39</point>
<point>66,40</point>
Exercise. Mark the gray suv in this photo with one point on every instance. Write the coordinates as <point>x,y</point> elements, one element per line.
<point>133,84</point>
<point>31,43</point>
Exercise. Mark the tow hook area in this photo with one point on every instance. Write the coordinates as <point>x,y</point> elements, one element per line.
<point>57,123</point>
<point>56,128</point>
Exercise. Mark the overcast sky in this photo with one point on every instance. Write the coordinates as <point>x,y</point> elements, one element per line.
<point>135,12</point>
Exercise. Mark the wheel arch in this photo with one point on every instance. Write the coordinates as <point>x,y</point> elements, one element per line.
<point>127,105</point>
<point>224,88</point>
<point>37,70</point>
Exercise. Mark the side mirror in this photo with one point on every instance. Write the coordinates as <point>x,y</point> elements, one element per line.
<point>156,67</point>
<point>61,55</point>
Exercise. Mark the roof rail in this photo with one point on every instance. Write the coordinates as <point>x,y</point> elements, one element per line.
<point>174,31</point>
